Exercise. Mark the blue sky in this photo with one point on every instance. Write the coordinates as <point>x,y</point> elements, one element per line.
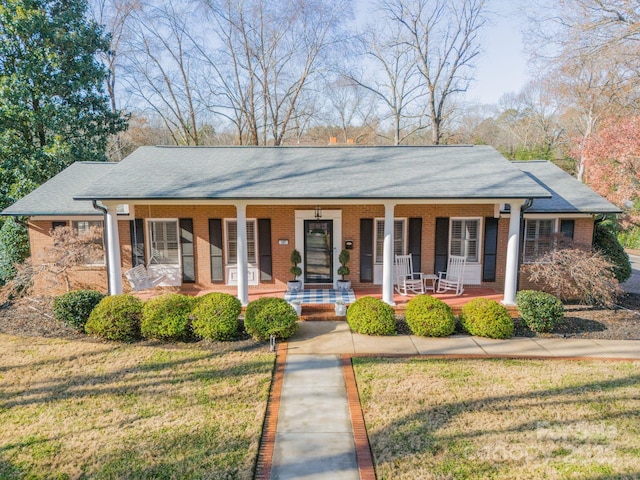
<point>502,68</point>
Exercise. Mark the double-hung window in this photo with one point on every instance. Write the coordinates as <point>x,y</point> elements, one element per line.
<point>164,241</point>
<point>232,242</point>
<point>399,238</point>
<point>464,238</point>
<point>538,238</point>
<point>88,228</point>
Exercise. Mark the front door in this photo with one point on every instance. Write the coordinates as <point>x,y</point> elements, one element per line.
<point>318,251</point>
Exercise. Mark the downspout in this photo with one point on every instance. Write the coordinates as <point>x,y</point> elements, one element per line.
<point>599,218</point>
<point>526,205</point>
<point>106,250</point>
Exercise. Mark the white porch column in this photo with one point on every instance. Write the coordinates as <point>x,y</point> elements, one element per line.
<point>513,244</point>
<point>387,254</point>
<point>243,263</point>
<point>114,265</point>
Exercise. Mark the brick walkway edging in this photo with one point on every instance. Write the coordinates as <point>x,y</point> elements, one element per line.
<point>360,437</point>
<point>268,438</point>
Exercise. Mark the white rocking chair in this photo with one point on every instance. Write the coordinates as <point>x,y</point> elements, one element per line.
<point>139,278</point>
<point>405,278</point>
<point>453,278</point>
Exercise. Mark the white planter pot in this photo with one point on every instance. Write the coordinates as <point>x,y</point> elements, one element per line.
<point>294,286</point>
<point>344,285</point>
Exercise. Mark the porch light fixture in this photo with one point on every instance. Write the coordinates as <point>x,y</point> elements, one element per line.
<point>318,213</point>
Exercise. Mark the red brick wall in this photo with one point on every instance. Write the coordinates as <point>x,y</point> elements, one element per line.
<point>283,227</point>
<point>582,235</point>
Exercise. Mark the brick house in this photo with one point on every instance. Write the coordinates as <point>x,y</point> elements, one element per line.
<point>230,216</point>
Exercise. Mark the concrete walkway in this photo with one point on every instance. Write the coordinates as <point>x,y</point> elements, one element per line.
<point>632,285</point>
<point>314,437</point>
<point>319,337</point>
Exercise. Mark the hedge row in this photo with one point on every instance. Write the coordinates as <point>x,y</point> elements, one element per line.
<point>174,317</point>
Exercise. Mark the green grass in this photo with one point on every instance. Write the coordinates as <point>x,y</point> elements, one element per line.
<point>77,409</point>
<point>501,419</point>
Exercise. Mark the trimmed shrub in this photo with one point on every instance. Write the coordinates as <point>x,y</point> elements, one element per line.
<point>429,317</point>
<point>606,242</point>
<point>116,317</point>
<point>486,318</point>
<point>215,317</point>
<point>540,311</point>
<point>371,316</point>
<point>270,316</point>
<point>74,307</point>
<point>167,317</point>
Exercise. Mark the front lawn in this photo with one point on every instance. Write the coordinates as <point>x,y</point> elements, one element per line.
<point>79,408</point>
<point>501,419</point>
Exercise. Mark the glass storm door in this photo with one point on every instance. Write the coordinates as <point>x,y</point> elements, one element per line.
<point>318,251</point>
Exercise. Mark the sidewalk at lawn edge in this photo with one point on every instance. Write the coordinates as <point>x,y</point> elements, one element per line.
<point>334,337</point>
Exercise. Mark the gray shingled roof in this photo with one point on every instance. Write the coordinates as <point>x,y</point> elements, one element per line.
<point>439,172</point>
<point>55,197</point>
<point>568,194</point>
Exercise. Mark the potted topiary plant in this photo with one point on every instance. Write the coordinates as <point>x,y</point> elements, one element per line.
<point>344,285</point>
<point>295,285</point>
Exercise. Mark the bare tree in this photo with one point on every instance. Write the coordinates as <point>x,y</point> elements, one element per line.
<point>588,50</point>
<point>270,52</point>
<point>350,107</point>
<point>114,16</point>
<point>161,66</point>
<point>443,34</point>
<point>531,119</point>
<point>392,78</point>
<point>591,90</point>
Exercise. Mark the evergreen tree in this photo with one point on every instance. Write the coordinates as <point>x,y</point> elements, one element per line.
<point>53,109</point>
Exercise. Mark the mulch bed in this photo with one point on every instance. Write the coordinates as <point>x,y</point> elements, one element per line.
<point>583,321</point>
<point>33,317</point>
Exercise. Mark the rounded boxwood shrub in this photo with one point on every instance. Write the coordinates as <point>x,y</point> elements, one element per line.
<point>429,317</point>
<point>167,317</point>
<point>116,317</point>
<point>486,318</point>
<point>215,317</point>
<point>74,307</point>
<point>270,316</point>
<point>371,316</point>
<point>540,311</point>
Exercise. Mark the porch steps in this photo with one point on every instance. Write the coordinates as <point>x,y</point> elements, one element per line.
<point>320,311</point>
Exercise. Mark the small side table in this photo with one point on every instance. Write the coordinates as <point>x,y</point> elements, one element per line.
<point>429,277</point>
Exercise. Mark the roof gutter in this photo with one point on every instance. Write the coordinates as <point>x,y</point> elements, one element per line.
<point>102,209</point>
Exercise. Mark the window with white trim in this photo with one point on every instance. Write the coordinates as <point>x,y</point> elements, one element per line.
<point>399,238</point>
<point>464,238</point>
<point>232,241</point>
<point>164,241</point>
<point>538,238</point>
<point>83,229</point>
